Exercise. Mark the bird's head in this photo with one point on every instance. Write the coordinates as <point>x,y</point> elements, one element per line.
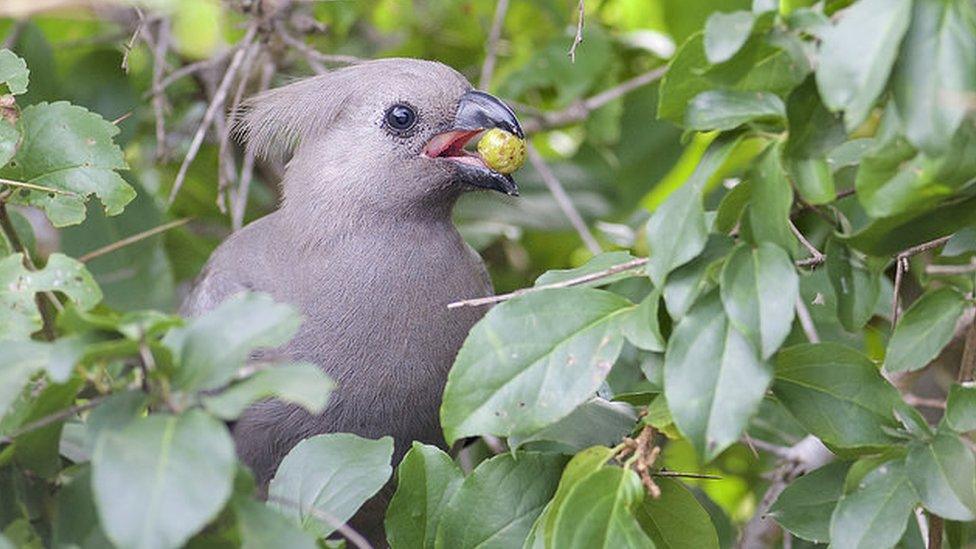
<point>383,134</point>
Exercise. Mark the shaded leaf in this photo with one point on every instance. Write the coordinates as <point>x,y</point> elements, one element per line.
<point>532,360</point>
<point>813,179</point>
<point>821,382</point>
<point>676,520</point>
<point>329,475</point>
<point>677,231</point>
<point>37,450</point>
<point>805,506</point>
<point>303,383</point>
<point>162,478</point>
<point>857,54</point>
<point>640,326</point>
<point>935,70</point>
<point>687,283</point>
<point>261,526</point>
<point>891,235</point>
<point>961,408</point>
<point>726,33</point>
<point>598,512</point>
<point>725,110</point>
<point>13,74</point>
<point>924,329</point>
<point>857,288</point>
<point>943,472</point>
<point>9,137</point>
<point>759,291</point>
<point>212,347</point>
<point>19,316</point>
<point>68,148</point>
<point>713,378</point>
<point>876,512</point>
<point>596,421</point>
<point>498,502</point>
<point>427,478</point>
<point>22,359</point>
<point>772,198</point>
<point>814,130</point>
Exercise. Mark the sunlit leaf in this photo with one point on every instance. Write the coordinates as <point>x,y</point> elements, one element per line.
<point>13,74</point>
<point>676,520</point>
<point>961,408</point>
<point>599,512</point>
<point>943,472</point>
<point>725,110</point>
<point>725,33</point>
<point>926,327</point>
<point>427,478</point>
<point>875,513</point>
<point>303,383</point>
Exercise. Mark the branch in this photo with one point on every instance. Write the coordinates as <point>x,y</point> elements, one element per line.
<point>577,112</point>
<point>619,268</point>
<point>35,187</point>
<point>563,200</point>
<point>951,270</point>
<point>247,168</point>
<point>312,53</point>
<point>815,254</point>
<point>132,239</point>
<point>216,103</point>
<point>491,47</point>
<point>52,418</point>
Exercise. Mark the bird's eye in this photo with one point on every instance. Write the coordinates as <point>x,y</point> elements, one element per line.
<point>401,117</point>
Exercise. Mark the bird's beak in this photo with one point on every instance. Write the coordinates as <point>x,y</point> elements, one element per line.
<point>477,111</point>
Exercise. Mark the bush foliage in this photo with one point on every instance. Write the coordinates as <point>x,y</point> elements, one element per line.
<point>778,338</point>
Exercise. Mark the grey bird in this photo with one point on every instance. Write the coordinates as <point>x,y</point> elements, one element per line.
<point>364,246</point>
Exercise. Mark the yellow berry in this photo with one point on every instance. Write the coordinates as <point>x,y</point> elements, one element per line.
<point>502,151</point>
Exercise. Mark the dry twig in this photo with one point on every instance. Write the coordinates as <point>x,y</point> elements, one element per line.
<point>563,200</point>
<point>578,37</point>
<point>491,47</point>
<point>128,241</point>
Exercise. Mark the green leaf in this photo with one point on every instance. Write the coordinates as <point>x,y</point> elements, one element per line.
<point>304,384</point>
<point>924,330</point>
<point>498,502</point>
<point>814,130</point>
<point>731,207</point>
<point>805,506</point>
<point>688,282</point>
<point>857,289</point>
<point>726,33</point>
<point>596,421</point>
<point>857,54</point>
<point>893,179</point>
<point>677,231</point>
<point>683,79</point>
<point>960,413</point>
<point>261,526</point>
<point>725,110</point>
<point>68,148</point>
<point>9,137</point>
<point>22,359</point>
<point>876,512</point>
<point>713,378</point>
<point>759,290</point>
<point>676,520</point>
<point>891,235</point>
<point>162,478</point>
<point>819,383</point>
<point>640,326</point>
<point>13,73</point>
<point>19,316</point>
<point>943,472</point>
<point>813,179</point>
<point>772,199</point>
<point>531,361</point>
<point>597,263</point>
<point>76,519</point>
<point>113,414</point>
<point>212,347</point>
<point>333,474</point>
<point>427,478</point>
<point>935,70</point>
<point>37,450</point>
<point>599,512</point>
<point>581,466</point>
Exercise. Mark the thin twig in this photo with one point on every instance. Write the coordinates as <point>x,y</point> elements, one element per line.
<point>35,187</point>
<point>491,47</point>
<point>52,418</point>
<point>806,321</point>
<point>968,363</point>
<point>13,36</point>
<point>132,239</point>
<point>936,525</point>
<point>220,95</point>
<point>685,475</point>
<point>563,200</point>
<point>158,97</point>
<point>132,40</point>
<point>227,171</point>
<point>619,268</point>
<point>924,402</point>
<point>901,265</point>
<point>312,53</point>
<point>951,270</point>
<point>239,206</point>
<point>781,452</point>
<point>924,247</point>
<point>815,254</point>
<point>578,37</point>
<point>579,111</point>
<point>187,70</point>
<point>353,536</point>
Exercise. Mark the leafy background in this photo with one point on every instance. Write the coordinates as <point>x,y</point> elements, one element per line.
<point>749,229</point>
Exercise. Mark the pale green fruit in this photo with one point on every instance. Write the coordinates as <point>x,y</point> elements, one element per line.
<point>502,151</point>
